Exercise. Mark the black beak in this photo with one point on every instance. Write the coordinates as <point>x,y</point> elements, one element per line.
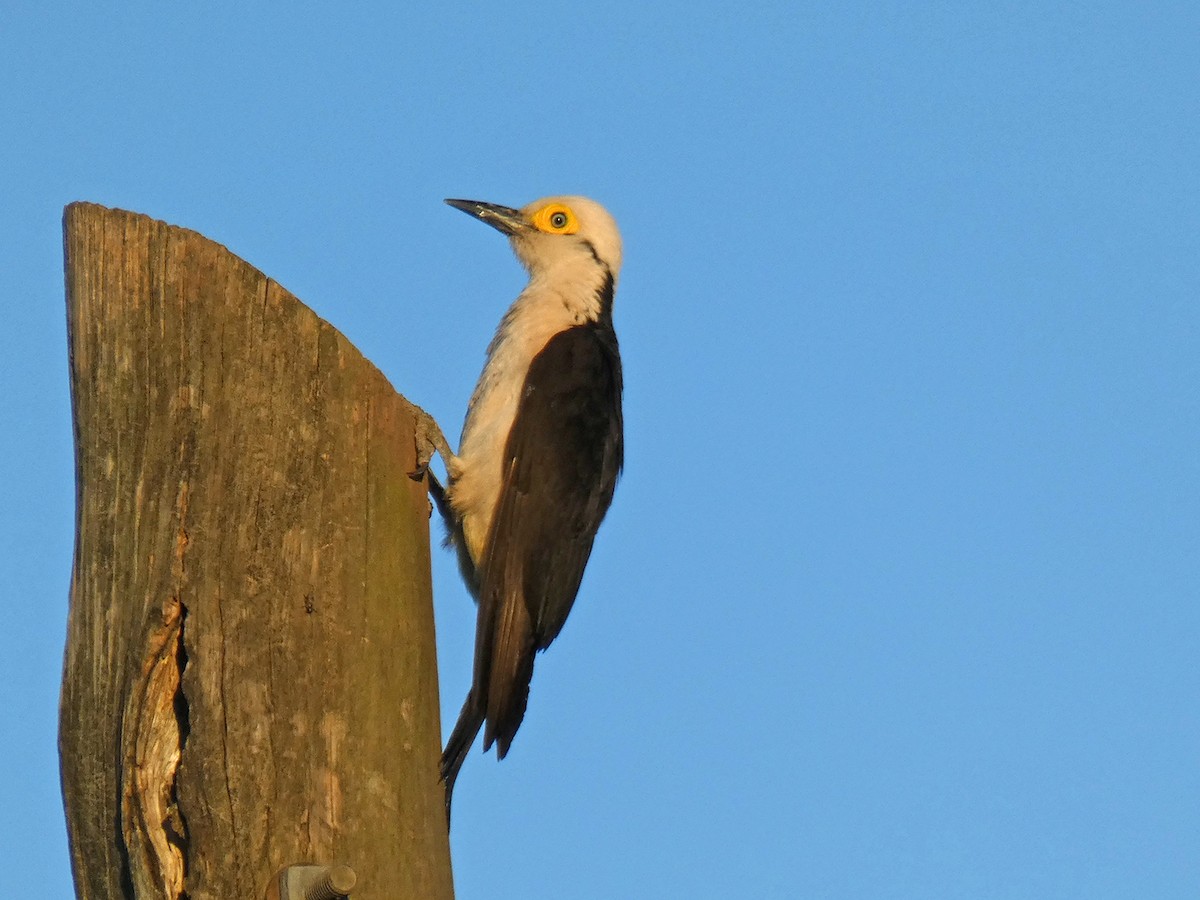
<point>503,218</point>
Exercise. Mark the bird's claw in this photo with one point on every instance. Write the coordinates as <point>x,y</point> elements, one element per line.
<point>429,439</point>
<point>425,451</point>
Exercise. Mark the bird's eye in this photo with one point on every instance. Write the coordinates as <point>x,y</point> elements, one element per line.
<point>555,218</point>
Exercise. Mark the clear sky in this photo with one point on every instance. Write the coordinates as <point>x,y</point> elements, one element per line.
<point>898,595</point>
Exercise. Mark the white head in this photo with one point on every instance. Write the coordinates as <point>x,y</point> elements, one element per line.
<point>554,230</point>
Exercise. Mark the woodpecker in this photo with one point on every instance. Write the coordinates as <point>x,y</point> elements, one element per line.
<point>539,457</point>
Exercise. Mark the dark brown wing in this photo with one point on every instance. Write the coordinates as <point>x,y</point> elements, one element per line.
<point>561,463</point>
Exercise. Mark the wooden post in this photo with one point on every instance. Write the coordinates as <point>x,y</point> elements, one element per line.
<point>250,677</point>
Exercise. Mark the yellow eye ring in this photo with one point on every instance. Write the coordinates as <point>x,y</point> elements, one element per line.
<point>556,219</point>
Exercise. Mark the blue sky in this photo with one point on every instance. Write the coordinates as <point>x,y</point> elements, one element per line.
<point>897,598</point>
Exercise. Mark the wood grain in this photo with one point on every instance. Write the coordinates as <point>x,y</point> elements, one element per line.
<point>250,675</point>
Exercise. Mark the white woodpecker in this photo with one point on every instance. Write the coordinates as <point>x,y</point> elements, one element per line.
<point>541,450</point>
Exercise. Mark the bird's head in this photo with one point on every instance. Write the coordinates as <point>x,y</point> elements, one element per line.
<point>553,231</point>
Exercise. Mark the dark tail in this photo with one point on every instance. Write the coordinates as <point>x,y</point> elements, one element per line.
<point>459,745</point>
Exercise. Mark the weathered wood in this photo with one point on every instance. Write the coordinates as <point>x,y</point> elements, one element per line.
<point>250,677</point>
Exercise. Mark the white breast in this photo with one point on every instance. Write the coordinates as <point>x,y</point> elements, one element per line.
<point>548,305</point>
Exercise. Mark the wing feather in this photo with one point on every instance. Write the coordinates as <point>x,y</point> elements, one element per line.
<point>561,464</point>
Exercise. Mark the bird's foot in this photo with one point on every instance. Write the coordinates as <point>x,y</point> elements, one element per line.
<point>430,440</point>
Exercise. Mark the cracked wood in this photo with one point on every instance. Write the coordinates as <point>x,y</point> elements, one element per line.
<point>249,678</point>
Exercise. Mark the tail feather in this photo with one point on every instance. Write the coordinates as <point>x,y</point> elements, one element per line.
<point>459,745</point>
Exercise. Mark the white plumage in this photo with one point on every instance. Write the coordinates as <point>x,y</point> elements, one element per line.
<point>540,453</point>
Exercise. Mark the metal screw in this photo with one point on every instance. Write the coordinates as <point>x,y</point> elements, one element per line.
<point>316,882</point>
<point>334,884</point>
